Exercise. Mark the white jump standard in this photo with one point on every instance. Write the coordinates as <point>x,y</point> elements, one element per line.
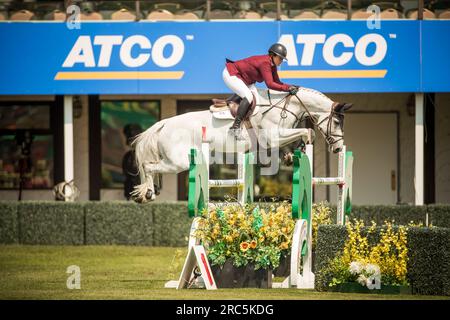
<point>301,275</point>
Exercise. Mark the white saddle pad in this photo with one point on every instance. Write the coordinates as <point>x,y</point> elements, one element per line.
<point>225,114</point>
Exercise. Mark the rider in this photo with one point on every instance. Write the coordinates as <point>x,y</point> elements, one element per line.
<point>241,75</point>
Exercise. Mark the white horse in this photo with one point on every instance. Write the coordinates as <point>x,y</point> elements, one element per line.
<point>165,146</point>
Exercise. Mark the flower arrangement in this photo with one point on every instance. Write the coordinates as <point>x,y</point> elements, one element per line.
<point>368,274</point>
<point>246,234</point>
<point>371,263</point>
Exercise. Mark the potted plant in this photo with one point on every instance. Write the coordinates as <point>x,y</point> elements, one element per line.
<point>244,243</point>
<point>371,263</point>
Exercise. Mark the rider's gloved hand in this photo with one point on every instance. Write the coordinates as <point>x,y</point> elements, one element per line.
<point>293,90</point>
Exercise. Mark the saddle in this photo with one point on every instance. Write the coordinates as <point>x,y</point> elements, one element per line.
<point>221,105</point>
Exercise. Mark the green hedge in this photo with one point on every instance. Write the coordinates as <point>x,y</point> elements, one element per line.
<point>50,222</point>
<point>428,252</point>
<point>119,222</point>
<point>9,222</point>
<point>157,224</point>
<point>429,260</point>
<point>330,241</point>
<point>439,215</point>
<point>402,214</point>
<point>172,224</point>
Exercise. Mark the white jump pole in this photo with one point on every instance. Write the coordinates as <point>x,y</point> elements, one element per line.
<point>68,139</point>
<point>340,191</point>
<point>228,183</point>
<point>419,151</point>
<point>339,180</point>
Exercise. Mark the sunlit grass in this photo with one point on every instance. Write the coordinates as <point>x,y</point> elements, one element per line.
<point>122,272</point>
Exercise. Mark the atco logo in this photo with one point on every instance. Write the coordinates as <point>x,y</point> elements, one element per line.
<point>352,49</point>
<point>133,52</point>
<point>82,51</point>
<point>337,51</point>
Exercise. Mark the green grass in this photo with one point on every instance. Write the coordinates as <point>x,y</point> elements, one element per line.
<point>123,272</point>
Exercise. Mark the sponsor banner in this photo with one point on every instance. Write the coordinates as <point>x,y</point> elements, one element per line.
<point>347,56</point>
<point>188,57</point>
<point>435,56</point>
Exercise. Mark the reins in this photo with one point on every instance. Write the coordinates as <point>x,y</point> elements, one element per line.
<point>328,135</point>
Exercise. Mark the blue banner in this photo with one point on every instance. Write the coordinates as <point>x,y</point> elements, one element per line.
<point>435,56</point>
<point>347,56</point>
<point>188,57</point>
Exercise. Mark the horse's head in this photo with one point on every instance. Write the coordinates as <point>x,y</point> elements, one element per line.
<point>332,126</point>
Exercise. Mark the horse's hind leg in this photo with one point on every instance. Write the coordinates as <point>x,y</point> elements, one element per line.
<point>147,190</point>
<point>167,166</point>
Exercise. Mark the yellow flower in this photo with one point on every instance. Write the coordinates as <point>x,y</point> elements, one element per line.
<point>229,238</point>
<point>284,245</point>
<point>244,246</point>
<point>253,244</point>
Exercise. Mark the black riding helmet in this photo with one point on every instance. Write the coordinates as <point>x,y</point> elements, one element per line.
<point>279,49</point>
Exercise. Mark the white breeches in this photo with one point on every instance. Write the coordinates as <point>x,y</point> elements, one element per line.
<point>238,86</point>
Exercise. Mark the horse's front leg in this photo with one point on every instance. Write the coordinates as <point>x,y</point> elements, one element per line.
<point>282,137</point>
<point>287,136</point>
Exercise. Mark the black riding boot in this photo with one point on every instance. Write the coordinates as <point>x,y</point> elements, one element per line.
<point>233,98</point>
<point>241,112</point>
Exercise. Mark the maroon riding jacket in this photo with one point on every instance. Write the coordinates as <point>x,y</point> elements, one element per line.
<point>257,69</point>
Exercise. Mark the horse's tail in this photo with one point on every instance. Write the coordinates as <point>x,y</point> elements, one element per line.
<point>146,148</point>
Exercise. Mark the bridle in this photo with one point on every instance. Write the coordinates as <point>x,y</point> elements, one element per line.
<point>329,136</point>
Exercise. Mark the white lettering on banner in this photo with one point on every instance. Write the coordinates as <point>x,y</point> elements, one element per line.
<point>127,46</point>
<point>361,49</point>
<point>83,52</point>
<point>330,44</point>
<point>311,41</point>
<point>177,51</point>
<point>106,43</point>
<point>288,41</point>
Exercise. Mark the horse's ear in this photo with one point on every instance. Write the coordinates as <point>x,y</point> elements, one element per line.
<point>342,107</point>
<point>347,106</point>
<point>338,107</point>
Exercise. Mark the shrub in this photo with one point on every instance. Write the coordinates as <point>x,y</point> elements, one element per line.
<point>428,266</point>
<point>439,215</point>
<point>171,224</point>
<point>9,222</point>
<point>48,222</point>
<point>119,222</point>
<point>401,214</point>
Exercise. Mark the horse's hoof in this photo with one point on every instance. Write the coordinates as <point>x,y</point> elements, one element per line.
<point>288,158</point>
<point>157,190</point>
<point>137,199</point>
<point>150,195</point>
